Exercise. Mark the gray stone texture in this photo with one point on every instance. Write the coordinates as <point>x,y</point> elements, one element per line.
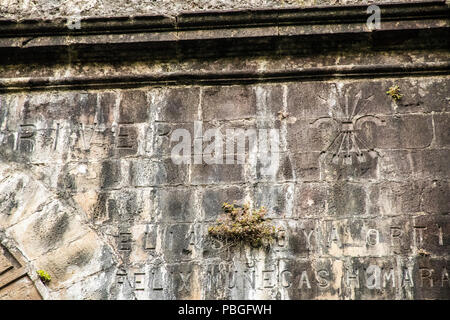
<point>19,9</point>
<point>89,192</point>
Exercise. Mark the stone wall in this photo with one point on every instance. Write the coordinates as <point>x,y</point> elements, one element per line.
<point>89,191</point>
<point>20,9</point>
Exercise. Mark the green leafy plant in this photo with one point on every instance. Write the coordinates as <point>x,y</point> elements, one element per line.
<point>394,92</point>
<point>243,225</point>
<point>44,276</point>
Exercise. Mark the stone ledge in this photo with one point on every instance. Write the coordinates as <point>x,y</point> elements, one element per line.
<point>224,77</point>
<point>225,33</point>
<point>227,18</point>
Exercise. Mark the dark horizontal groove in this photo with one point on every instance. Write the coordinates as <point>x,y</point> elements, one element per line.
<point>232,77</point>
<point>224,19</point>
<point>228,46</point>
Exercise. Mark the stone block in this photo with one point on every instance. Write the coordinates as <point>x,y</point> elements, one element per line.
<point>441,125</point>
<point>165,138</point>
<point>111,174</point>
<point>431,234</point>
<point>215,173</point>
<point>311,200</point>
<point>395,165</point>
<point>431,279</point>
<point>399,132</point>
<point>303,239</point>
<point>396,198</point>
<point>306,166</point>
<point>133,107</point>
<point>310,100</point>
<point>430,163</point>
<point>213,198</point>
<point>310,136</point>
<point>435,198</point>
<point>346,199</point>
<point>176,104</point>
<point>152,172</point>
<point>229,103</point>
<point>277,199</point>
<point>176,204</point>
<point>423,95</point>
<point>351,166</point>
<point>370,278</point>
<point>177,245</point>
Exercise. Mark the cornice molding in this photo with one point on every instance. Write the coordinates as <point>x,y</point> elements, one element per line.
<point>225,78</point>
<point>401,11</point>
<point>222,34</point>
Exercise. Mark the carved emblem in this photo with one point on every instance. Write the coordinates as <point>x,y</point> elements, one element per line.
<point>348,144</point>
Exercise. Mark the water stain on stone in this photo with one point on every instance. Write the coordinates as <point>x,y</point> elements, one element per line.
<point>80,258</point>
<point>51,233</point>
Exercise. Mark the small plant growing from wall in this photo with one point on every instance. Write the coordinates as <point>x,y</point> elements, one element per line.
<point>44,276</point>
<point>243,226</point>
<point>423,253</point>
<point>394,92</point>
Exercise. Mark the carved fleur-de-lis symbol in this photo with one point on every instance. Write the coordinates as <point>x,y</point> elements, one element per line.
<point>349,120</point>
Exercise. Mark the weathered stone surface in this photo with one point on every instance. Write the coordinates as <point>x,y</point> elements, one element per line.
<point>93,7</point>
<point>16,282</point>
<point>213,198</point>
<point>357,183</point>
<point>133,107</point>
<point>408,132</point>
<point>218,105</point>
<point>441,122</point>
<point>176,105</point>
